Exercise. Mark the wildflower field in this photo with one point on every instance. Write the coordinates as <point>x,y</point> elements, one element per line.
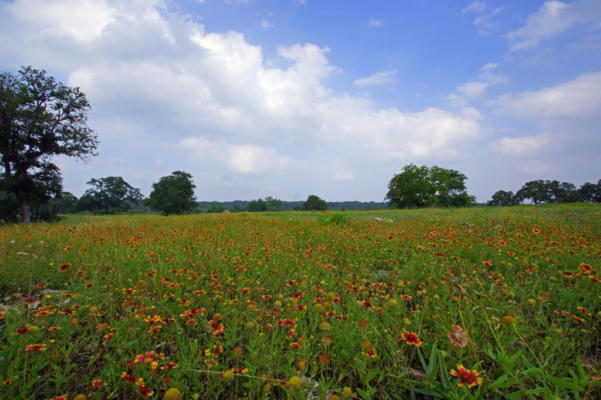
<point>487,303</point>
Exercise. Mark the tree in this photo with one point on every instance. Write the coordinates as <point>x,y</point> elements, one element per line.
<point>110,194</point>
<point>173,194</point>
<point>591,192</point>
<point>502,198</point>
<point>411,188</point>
<point>272,204</point>
<point>421,186</point>
<point>537,191</point>
<point>39,118</point>
<point>65,202</point>
<point>256,206</point>
<point>563,192</point>
<point>315,203</point>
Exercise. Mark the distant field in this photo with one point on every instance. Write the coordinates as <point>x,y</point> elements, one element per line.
<point>487,303</point>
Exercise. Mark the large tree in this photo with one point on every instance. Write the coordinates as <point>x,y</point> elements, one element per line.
<point>110,194</point>
<point>591,192</point>
<point>502,198</point>
<point>39,118</point>
<point>173,194</point>
<point>421,186</point>
<point>315,203</point>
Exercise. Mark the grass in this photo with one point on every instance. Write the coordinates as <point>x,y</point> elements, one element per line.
<point>280,305</point>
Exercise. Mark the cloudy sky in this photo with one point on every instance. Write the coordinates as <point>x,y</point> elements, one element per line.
<point>286,98</point>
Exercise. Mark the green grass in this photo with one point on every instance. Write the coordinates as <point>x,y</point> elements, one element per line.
<point>325,296</point>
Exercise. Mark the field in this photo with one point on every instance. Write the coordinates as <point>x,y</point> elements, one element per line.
<point>473,303</point>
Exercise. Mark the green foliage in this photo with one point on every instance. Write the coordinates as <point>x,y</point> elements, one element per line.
<point>417,187</point>
<point>545,191</point>
<point>173,194</point>
<point>256,206</point>
<point>333,219</point>
<point>39,118</point>
<point>591,192</point>
<point>503,198</point>
<point>109,195</point>
<point>315,203</point>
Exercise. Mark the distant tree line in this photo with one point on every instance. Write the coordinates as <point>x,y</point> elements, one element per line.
<point>546,191</point>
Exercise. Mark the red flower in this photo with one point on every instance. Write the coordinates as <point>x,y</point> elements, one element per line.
<point>36,347</point>
<point>64,267</point>
<point>412,339</point>
<point>466,376</point>
<point>457,336</point>
<point>128,377</point>
<point>98,384</point>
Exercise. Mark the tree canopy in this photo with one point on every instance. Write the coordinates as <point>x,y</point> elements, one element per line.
<point>173,194</point>
<point>315,203</point>
<point>421,186</point>
<point>108,195</point>
<point>39,118</point>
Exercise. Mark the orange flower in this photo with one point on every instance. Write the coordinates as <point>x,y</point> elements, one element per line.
<point>64,267</point>
<point>466,376</point>
<point>487,263</point>
<point>1,315</point>
<point>412,339</point>
<point>98,384</point>
<point>36,347</point>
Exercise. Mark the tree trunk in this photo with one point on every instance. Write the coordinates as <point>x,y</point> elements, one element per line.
<point>25,211</point>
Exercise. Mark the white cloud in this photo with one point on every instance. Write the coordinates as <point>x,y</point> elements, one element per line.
<point>470,91</point>
<point>375,23</point>
<point>379,78</point>
<point>554,18</point>
<point>520,146</point>
<point>483,16</point>
<point>579,98</point>
<point>160,84</point>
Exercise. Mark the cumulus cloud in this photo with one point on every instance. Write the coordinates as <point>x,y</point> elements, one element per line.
<point>553,18</point>
<point>579,98</point>
<point>520,146</point>
<point>379,78</point>
<point>470,91</point>
<point>161,84</point>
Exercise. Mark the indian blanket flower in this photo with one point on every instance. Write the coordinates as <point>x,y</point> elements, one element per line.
<point>98,384</point>
<point>36,347</point>
<point>412,339</point>
<point>466,376</point>
<point>457,336</point>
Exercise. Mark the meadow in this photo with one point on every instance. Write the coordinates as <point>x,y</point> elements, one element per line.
<point>488,303</point>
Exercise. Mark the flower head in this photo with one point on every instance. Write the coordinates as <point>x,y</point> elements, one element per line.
<point>36,347</point>
<point>466,376</point>
<point>412,339</point>
<point>457,336</point>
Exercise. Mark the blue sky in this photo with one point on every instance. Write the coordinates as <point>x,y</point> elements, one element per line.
<point>286,98</point>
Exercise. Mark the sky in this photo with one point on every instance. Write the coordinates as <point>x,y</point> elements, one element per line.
<point>287,98</point>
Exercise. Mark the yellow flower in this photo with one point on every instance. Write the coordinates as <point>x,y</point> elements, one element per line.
<point>508,320</point>
<point>80,396</point>
<point>172,394</point>
<point>228,376</point>
<point>295,382</point>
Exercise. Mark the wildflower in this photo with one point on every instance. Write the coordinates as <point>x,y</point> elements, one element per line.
<point>412,339</point>
<point>347,392</point>
<point>466,376</point>
<point>1,315</point>
<point>128,377</point>
<point>64,267</point>
<point>295,382</point>
<point>487,263</point>
<point>324,358</point>
<point>80,396</point>
<point>146,391</point>
<point>228,376</point>
<point>457,336</point>
<point>36,347</point>
<point>98,384</point>
<point>24,329</point>
<point>172,394</point>
<point>584,311</point>
<point>508,320</point>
